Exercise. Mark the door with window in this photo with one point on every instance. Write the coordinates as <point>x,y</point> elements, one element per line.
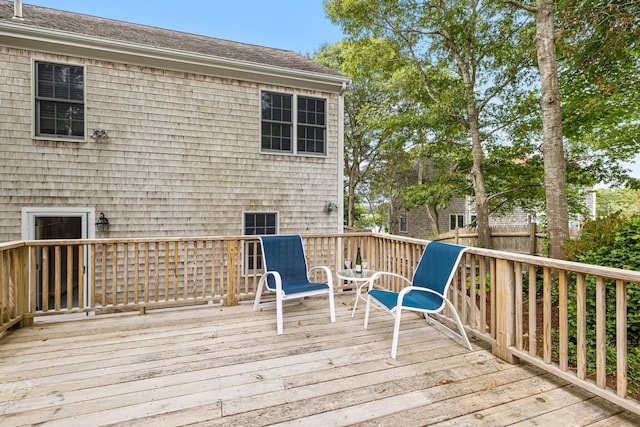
<point>59,270</point>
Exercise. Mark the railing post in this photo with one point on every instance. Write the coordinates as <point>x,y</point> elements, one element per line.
<point>231,298</point>
<point>533,228</point>
<point>23,284</point>
<point>503,286</point>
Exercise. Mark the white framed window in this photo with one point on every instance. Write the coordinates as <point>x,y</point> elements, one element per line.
<point>293,124</point>
<point>403,227</point>
<point>456,221</point>
<point>59,102</point>
<point>256,224</point>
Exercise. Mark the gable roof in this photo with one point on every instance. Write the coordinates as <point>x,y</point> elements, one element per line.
<point>68,33</point>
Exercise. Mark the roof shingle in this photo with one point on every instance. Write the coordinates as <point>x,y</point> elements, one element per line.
<point>159,38</point>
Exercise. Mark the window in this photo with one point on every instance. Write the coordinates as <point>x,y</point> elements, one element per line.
<point>403,224</point>
<point>456,221</point>
<point>255,224</point>
<point>59,100</point>
<point>311,125</point>
<point>280,126</point>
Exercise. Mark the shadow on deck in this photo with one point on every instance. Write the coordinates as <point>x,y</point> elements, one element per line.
<point>213,365</point>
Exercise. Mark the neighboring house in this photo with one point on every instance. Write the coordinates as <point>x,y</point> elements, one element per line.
<point>166,133</point>
<point>461,213</point>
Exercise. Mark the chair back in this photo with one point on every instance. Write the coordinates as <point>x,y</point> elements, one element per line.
<point>437,266</point>
<point>284,254</point>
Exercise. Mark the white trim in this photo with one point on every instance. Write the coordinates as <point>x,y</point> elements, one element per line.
<point>457,216</point>
<point>29,213</point>
<point>242,232</point>
<point>294,125</point>
<point>88,217</point>
<point>34,119</point>
<point>340,163</point>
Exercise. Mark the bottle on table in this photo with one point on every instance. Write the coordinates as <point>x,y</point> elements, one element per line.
<point>358,262</point>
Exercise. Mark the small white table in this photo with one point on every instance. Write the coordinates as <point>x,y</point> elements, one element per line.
<point>360,279</point>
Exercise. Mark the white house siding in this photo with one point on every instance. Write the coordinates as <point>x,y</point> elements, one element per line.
<point>182,159</point>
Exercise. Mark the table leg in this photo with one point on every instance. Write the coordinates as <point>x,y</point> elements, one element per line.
<point>355,304</point>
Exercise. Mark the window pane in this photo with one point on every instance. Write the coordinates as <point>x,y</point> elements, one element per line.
<point>59,100</point>
<point>311,140</point>
<point>258,224</point>
<point>276,122</point>
<point>311,125</point>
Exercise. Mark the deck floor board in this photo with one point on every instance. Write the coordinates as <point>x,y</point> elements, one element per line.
<point>225,366</point>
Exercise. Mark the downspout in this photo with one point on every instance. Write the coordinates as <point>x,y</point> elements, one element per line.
<point>340,157</point>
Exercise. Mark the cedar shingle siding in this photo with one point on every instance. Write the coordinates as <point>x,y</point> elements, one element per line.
<point>182,113</point>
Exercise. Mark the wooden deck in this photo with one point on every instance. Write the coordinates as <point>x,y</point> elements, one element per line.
<point>212,365</point>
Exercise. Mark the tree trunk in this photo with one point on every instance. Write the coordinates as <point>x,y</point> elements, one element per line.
<point>351,200</point>
<point>434,220</point>
<point>477,176</point>
<point>552,145</point>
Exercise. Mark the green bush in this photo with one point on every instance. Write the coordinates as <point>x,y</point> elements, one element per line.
<point>612,241</point>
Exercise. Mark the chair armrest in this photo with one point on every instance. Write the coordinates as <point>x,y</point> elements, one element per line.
<point>276,275</point>
<point>380,274</point>
<point>408,289</point>
<point>327,272</point>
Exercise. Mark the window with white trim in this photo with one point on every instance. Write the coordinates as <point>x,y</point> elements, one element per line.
<point>59,100</point>
<point>456,221</point>
<point>256,224</point>
<point>403,228</point>
<point>286,118</point>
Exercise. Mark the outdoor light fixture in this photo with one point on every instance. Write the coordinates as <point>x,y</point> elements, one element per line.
<point>103,223</point>
<point>99,134</point>
<point>330,206</point>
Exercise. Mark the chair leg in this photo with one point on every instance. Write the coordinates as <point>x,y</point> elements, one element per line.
<point>463,334</point>
<point>396,332</point>
<point>366,313</point>
<point>280,322</point>
<point>332,306</point>
<point>256,301</point>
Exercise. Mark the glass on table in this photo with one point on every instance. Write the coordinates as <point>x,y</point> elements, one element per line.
<point>347,263</point>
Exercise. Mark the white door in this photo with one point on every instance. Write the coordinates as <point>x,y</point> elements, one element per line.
<point>59,223</point>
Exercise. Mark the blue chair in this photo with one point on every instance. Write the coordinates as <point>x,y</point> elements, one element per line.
<point>427,291</point>
<point>286,274</point>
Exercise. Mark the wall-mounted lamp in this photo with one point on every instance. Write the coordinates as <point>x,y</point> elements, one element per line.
<point>99,134</point>
<point>103,223</point>
<point>330,206</point>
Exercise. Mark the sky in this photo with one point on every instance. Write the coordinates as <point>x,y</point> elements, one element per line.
<point>297,25</point>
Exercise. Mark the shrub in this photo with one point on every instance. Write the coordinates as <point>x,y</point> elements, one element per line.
<point>612,241</point>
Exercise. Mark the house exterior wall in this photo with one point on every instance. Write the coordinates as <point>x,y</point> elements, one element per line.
<point>419,227</point>
<point>182,158</point>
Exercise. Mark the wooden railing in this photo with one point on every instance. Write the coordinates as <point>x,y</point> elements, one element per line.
<point>516,303</point>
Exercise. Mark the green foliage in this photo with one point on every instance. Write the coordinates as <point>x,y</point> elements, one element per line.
<point>625,200</point>
<point>598,46</point>
<point>612,241</point>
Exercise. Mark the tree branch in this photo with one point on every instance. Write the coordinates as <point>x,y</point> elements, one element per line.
<point>521,5</point>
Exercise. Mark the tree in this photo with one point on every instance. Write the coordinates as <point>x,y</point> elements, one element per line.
<point>467,66</point>
<point>441,176</point>
<point>624,200</point>
<point>555,175</point>
<point>367,103</point>
<point>599,46</point>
